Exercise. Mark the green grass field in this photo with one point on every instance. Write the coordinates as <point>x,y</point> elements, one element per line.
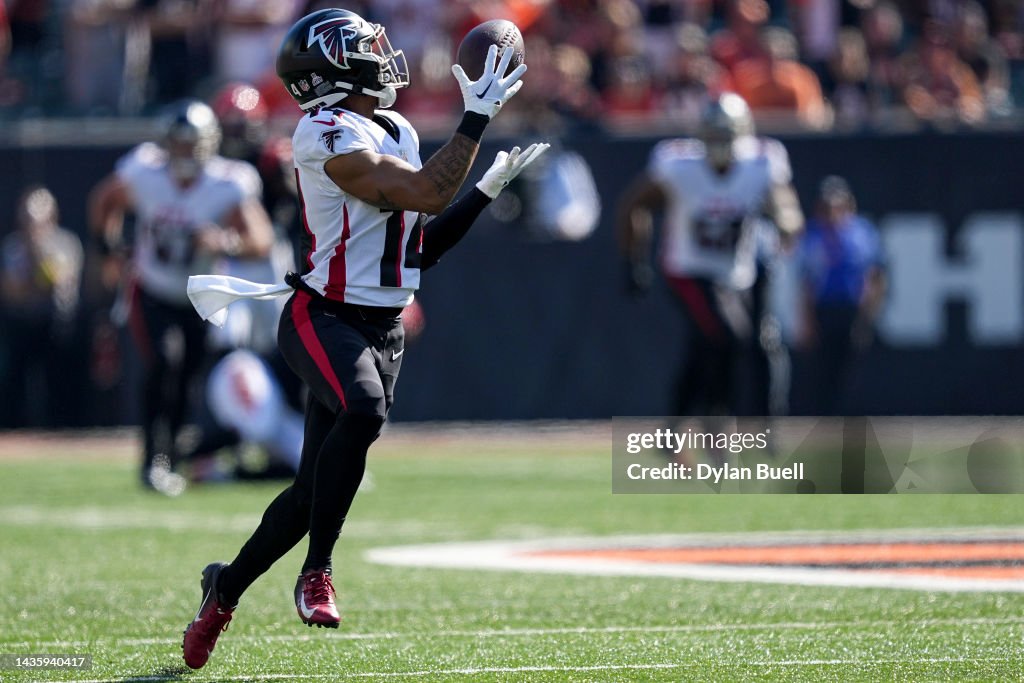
<point>89,564</point>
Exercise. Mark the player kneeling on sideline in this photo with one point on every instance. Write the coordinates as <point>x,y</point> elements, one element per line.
<point>364,193</point>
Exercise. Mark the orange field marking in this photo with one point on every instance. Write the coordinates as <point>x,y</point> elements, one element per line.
<point>821,555</point>
<point>981,559</point>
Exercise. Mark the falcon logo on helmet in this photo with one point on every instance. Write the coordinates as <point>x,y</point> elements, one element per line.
<point>333,53</point>
<point>332,35</point>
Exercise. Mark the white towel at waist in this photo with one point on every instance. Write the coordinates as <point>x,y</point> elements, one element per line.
<point>212,294</point>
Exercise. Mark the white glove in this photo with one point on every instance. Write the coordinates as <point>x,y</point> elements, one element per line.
<point>486,95</point>
<point>506,166</point>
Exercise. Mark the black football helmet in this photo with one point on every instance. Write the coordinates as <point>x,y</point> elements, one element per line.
<point>193,123</point>
<point>333,52</point>
<point>723,120</point>
<point>191,137</point>
<point>727,116</point>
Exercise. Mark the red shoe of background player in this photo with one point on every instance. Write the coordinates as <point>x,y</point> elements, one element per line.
<point>211,619</point>
<point>314,599</point>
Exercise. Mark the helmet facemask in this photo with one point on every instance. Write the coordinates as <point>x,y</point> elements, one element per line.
<point>394,70</point>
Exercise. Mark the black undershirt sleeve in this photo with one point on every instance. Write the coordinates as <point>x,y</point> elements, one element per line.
<point>450,226</point>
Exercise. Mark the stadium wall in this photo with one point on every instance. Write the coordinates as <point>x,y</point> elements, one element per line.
<point>522,328</point>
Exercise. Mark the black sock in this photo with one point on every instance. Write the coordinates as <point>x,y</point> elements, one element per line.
<point>339,469</point>
<point>286,519</point>
<point>284,523</point>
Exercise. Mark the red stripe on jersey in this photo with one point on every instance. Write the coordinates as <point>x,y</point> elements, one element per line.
<point>307,333</point>
<point>336,276</point>
<point>401,252</point>
<point>305,223</point>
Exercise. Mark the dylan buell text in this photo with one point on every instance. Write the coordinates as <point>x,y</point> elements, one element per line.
<point>716,473</point>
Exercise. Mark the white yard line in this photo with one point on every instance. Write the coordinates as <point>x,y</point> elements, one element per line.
<point>470,671</point>
<point>667,665</point>
<point>105,519</point>
<point>92,518</point>
<point>528,632</point>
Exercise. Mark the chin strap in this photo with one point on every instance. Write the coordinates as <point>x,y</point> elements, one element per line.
<point>325,101</point>
<point>385,96</point>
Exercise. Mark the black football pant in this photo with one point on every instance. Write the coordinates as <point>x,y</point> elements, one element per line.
<point>172,342</point>
<point>718,326</point>
<point>349,356</point>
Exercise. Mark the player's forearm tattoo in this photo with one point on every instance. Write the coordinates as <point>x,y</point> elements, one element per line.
<point>448,168</point>
<point>382,202</point>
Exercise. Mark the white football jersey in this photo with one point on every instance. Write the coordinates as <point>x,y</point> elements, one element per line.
<point>168,216</point>
<point>711,220</point>
<point>354,252</point>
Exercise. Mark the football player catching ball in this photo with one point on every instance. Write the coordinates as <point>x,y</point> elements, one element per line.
<point>365,197</point>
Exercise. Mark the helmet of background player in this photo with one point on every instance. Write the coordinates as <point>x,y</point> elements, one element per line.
<point>330,54</point>
<point>243,118</point>
<point>191,138</point>
<point>723,121</point>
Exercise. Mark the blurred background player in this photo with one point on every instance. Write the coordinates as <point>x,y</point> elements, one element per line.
<point>715,192</point>
<point>40,274</point>
<point>192,208</point>
<point>235,412</point>
<point>843,280</point>
<point>253,399</point>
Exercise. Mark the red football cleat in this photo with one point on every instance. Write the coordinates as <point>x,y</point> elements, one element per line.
<point>212,618</point>
<point>314,599</point>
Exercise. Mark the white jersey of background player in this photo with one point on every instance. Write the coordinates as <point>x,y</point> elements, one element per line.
<point>169,216</point>
<point>710,227</point>
<point>716,190</point>
<point>355,260</point>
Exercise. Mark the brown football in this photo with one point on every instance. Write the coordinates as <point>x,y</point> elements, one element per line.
<point>473,48</point>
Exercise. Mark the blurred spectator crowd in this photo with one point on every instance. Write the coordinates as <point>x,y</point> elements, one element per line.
<point>845,64</point>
